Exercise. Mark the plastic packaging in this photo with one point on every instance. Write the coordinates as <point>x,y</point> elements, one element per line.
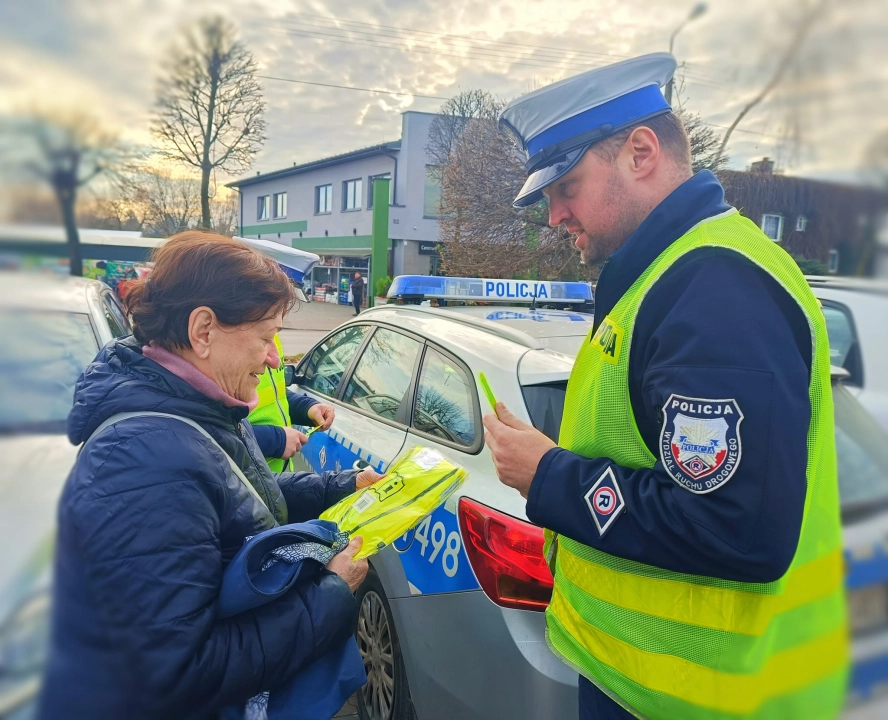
<point>417,483</point>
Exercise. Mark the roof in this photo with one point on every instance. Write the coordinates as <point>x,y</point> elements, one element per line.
<point>555,330</point>
<point>841,282</point>
<point>373,150</point>
<point>47,293</point>
<point>56,234</point>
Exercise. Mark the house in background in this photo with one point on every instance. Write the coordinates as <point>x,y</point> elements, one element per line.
<point>831,222</point>
<point>325,207</point>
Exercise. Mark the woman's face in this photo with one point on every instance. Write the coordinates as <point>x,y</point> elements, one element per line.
<point>239,355</point>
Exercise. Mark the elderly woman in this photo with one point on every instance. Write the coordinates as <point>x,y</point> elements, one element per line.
<point>153,511</point>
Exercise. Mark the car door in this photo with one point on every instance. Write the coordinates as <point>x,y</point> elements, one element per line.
<point>367,372</point>
<point>446,415</point>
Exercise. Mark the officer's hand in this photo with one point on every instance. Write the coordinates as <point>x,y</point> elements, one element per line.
<point>295,441</point>
<point>322,415</point>
<point>516,447</point>
<point>351,570</point>
<point>366,478</point>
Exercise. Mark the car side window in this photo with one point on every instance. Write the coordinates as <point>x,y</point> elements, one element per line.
<point>444,406</point>
<point>115,317</point>
<point>383,373</point>
<point>844,349</point>
<point>329,361</point>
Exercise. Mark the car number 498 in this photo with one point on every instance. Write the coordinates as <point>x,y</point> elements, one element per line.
<point>444,546</point>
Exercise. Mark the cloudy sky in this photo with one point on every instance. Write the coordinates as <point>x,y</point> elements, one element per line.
<point>105,56</point>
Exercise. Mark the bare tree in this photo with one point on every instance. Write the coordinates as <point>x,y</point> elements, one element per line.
<point>810,12</point>
<point>482,234</point>
<point>67,151</point>
<point>226,213</point>
<point>703,138</point>
<point>209,109</point>
<point>454,116</point>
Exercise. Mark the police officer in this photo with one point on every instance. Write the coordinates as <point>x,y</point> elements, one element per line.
<point>691,504</point>
<point>277,410</point>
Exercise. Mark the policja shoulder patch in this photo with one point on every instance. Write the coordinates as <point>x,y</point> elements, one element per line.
<point>605,501</point>
<point>700,441</point>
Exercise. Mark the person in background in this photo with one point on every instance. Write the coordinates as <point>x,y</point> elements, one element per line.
<point>357,288</point>
<point>155,509</point>
<point>278,410</point>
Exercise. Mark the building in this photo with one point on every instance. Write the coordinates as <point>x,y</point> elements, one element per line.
<point>834,223</point>
<point>325,207</point>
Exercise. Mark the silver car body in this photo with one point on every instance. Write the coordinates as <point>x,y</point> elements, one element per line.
<point>36,462</point>
<point>857,317</point>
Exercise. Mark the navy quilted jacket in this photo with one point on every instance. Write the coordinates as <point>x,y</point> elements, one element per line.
<point>148,520</point>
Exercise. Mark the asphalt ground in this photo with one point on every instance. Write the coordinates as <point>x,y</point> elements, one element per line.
<point>308,323</point>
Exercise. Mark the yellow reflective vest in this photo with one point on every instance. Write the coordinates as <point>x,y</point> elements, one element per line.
<point>273,407</point>
<point>670,646</point>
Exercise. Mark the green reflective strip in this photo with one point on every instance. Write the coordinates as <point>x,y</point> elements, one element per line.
<point>716,649</point>
<point>819,701</point>
<point>618,564</point>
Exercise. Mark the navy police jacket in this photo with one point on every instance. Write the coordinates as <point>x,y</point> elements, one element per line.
<point>714,326</point>
<point>148,520</point>
<point>271,438</point>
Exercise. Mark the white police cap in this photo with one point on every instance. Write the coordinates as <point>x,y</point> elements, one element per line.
<point>555,125</point>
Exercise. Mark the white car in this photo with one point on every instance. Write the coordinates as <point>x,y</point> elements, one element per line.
<point>856,314</point>
<point>52,327</point>
<point>450,620</point>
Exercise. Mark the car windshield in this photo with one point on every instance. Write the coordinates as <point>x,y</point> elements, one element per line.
<point>41,357</point>
<point>862,453</point>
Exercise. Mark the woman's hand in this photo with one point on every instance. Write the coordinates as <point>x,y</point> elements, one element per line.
<point>366,478</point>
<point>351,570</point>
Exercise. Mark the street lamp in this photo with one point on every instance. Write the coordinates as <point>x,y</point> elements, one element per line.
<point>696,12</point>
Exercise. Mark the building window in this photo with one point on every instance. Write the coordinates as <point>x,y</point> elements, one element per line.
<point>772,226</point>
<point>801,223</point>
<point>431,198</point>
<point>351,194</point>
<point>280,205</point>
<point>323,199</point>
<point>833,261</point>
<point>387,176</point>
<point>262,207</point>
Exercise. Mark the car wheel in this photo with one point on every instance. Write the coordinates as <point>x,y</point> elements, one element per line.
<point>386,695</point>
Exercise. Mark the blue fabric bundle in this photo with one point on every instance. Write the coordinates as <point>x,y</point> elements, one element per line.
<point>266,567</point>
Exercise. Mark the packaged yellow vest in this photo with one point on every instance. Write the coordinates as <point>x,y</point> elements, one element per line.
<point>273,407</point>
<point>416,484</point>
<point>671,646</point>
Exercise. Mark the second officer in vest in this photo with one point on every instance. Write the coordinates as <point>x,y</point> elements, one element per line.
<point>691,504</point>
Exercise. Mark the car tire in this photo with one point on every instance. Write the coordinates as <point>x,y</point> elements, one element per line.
<point>386,695</point>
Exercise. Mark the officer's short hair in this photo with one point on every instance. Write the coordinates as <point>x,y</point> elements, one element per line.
<point>669,130</point>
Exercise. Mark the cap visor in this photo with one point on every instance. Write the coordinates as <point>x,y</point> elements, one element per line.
<point>533,189</point>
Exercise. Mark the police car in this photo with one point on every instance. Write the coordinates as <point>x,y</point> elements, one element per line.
<point>451,622</point>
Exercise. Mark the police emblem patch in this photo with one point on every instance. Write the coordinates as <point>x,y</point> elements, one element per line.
<point>605,501</point>
<point>700,441</point>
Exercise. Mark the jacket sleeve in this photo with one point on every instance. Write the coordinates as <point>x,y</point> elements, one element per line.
<point>148,528</point>
<point>713,329</point>
<point>271,439</point>
<point>309,494</point>
<point>300,404</point>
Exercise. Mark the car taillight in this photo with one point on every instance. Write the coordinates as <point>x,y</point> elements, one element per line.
<point>507,556</point>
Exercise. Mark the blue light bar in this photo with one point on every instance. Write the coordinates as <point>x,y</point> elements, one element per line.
<point>489,290</point>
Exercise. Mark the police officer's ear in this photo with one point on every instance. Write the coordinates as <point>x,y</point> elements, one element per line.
<point>641,152</point>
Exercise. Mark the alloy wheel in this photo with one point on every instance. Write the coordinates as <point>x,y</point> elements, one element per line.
<point>375,644</point>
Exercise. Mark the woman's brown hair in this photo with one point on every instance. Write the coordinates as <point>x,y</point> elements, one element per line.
<point>194,269</point>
